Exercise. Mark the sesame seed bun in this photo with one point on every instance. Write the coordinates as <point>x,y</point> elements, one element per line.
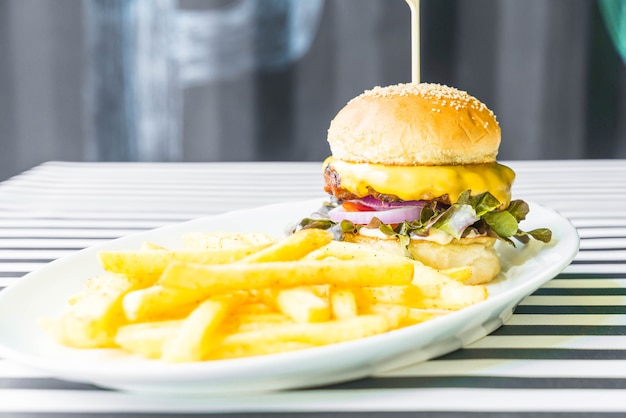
<point>415,124</point>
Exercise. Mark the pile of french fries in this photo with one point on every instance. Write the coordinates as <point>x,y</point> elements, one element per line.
<point>231,295</point>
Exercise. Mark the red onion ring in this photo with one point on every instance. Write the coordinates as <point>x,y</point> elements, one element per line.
<point>377,204</point>
<point>389,216</point>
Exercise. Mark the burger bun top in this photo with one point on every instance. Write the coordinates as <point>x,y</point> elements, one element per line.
<point>415,124</point>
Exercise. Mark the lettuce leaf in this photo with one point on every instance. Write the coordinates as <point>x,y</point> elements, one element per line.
<point>470,215</point>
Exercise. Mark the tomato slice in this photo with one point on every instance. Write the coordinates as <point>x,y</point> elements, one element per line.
<point>351,206</point>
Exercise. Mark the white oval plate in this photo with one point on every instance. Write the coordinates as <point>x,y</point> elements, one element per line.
<point>44,293</point>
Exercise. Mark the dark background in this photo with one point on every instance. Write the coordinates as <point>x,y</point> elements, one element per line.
<point>71,89</point>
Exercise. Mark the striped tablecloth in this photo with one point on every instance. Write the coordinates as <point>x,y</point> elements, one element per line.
<point>562,352</point>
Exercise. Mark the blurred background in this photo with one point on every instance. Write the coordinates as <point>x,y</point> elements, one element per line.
<point>242,80</point>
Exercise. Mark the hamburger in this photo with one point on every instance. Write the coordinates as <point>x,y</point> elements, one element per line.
<point>413,169</point>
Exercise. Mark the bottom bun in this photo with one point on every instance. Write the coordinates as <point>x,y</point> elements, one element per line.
<point>478,253</point>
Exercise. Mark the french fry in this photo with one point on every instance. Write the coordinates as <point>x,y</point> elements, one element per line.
<point>409,295</point>
<point>293,247</point>
<point>232,295</point>
<point>237,276</point>
<point>146,266</point>
<point>441,292</point>
<point>343,303</point>
<point>255,322</point>
<point>158,302</point>
<point>417,315</point>
<point>362,297</point>
<point>231,351</point>
<point>352,251</point>
<point>302,304</point>
<point>314,333</point>
<point>395,314</point>
<point>459,274</point>
<point>226,240</point>
<point>93,319</point>
<point>456,297</point>
<point>93,285</point>
<point>253,307</point>
<point>147,338</point>
<point>197,334</point>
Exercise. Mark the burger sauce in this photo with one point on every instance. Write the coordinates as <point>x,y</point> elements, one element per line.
<point>414,5</point>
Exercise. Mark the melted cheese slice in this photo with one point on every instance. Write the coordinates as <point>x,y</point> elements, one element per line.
<point>425,182</point>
